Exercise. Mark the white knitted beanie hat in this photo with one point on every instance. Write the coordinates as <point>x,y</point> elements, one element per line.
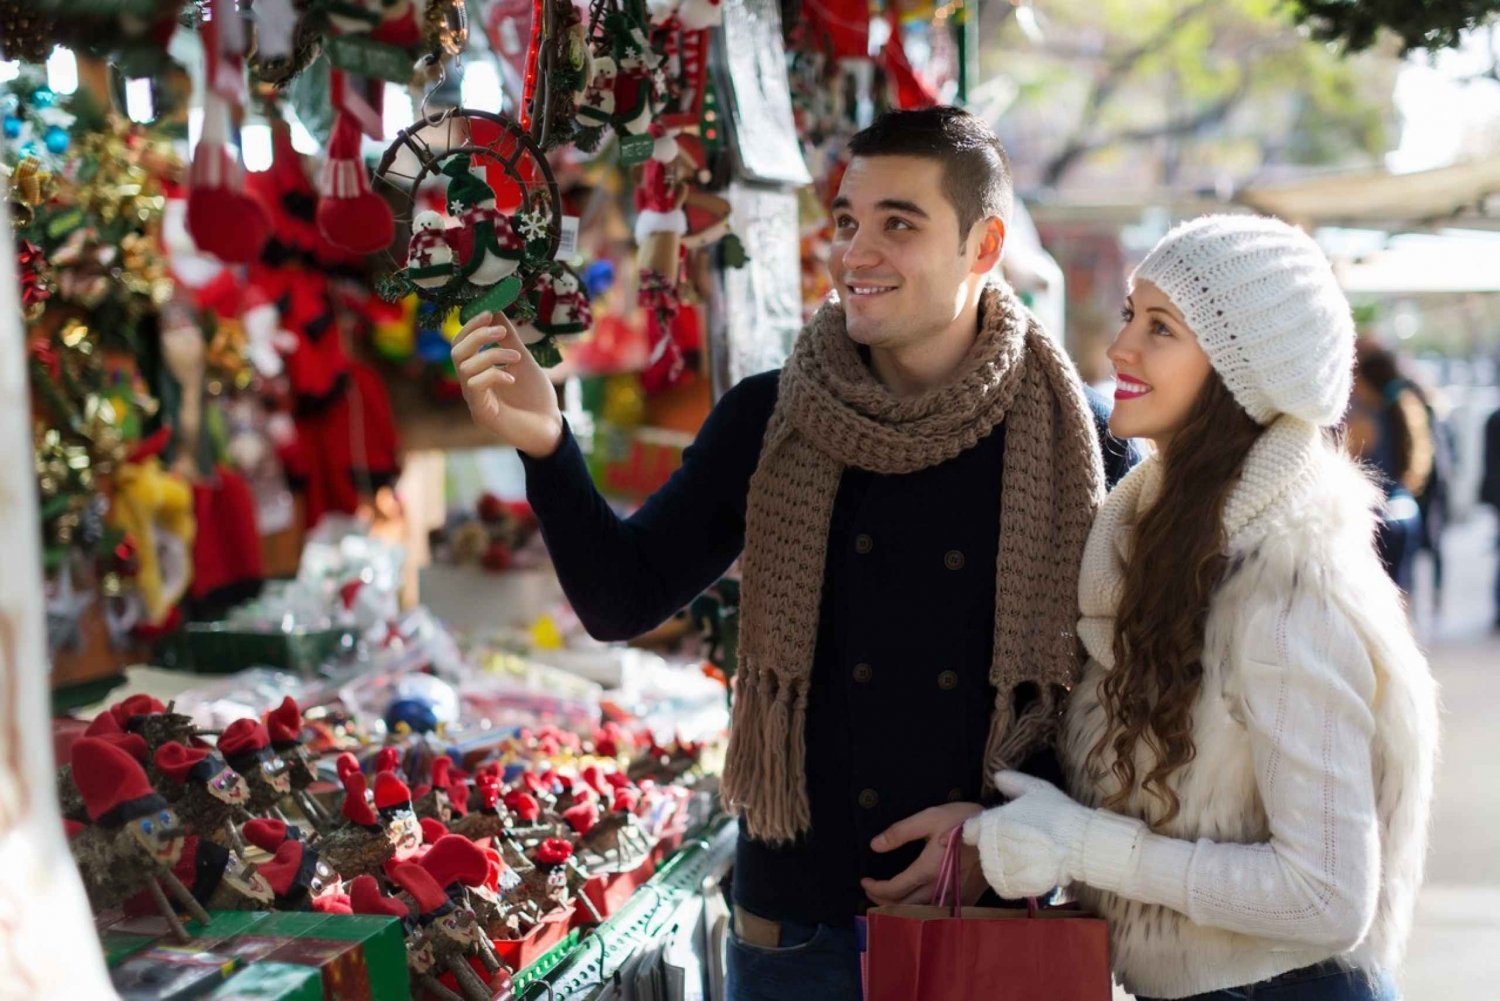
<point>1267,310</point>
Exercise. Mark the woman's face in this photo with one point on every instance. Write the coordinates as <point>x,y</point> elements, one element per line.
<point>1159,368</point>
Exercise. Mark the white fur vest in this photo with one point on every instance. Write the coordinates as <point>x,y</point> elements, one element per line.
<point>1309,845</point>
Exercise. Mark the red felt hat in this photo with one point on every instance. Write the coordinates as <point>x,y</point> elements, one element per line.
<point>432,830</point>
<point>425,890</point>
<point>136,705</point>
<point>442,769</point>
<point>582,817</point>
<point>496,867</point>
<point>456,859</point>
<point>282,871</point>
<point>365,898</point>
<point>344,764</point>
<point>267,835</point>
<point>388,760</point>
<point>356,807</point>
<point>176,761</point>
<point>627,800</point>
<point>242,736</point>
<point>523,805</point>
<point>107,728</point>
<point>108,777</point>
<point>73,828</point>
<point>553,851</point>
<point>332,903</point>
<point>284,723</point>
<point>390,792</point>
<point>458,795</point>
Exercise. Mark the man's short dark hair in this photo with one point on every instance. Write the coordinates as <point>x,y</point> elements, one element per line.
<point>976,171</point>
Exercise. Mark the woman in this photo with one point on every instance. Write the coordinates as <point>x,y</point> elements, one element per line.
<point>1252,742</point>
<point>1388,429</point>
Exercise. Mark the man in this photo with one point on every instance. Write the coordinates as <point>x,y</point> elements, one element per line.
<point>911,495</point>
<point>1489,486</point>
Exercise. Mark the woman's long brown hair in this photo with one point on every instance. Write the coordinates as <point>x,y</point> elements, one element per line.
<point>1177,562</point>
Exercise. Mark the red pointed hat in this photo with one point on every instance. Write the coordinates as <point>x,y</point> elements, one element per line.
<point>267,835</point>
<point>365,898</point>
<point>106,728</point>
<point>178,762</point>
<point>356,807</point>
<point>442,769</point>
<point>284,724</point>
<point>137,705</point>
<point>113,784</point>
<point>523,805</point>
<point>390,792</point>
<point>425,890</point>
<point>282,871</point>
<point>345,763</point>
<point>582,817</point>
<point>458,794</point>
<point>456,859</point>
<point>432,830</point>
<point>387,760</point>
<point>244,738</point>
<point>553,851</point>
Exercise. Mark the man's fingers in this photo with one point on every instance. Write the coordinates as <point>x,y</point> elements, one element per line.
<point>918,825</point>
<point>493,379</point>
<point>488,359</point>
<point>474,335</point>
<point>917,875</point>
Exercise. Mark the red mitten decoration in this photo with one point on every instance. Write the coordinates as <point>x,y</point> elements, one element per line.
<point>350,215</point>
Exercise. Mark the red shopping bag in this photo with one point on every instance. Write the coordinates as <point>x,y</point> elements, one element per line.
<point>946,952</point>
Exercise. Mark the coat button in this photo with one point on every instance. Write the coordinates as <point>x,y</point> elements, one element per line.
<point>863,543</point>
<point>955,795</point>
<point>948,681</point>
<point>863,673</point>
<point>954,560</point>
<point>869,798</point>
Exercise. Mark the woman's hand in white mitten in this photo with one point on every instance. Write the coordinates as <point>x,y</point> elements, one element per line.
<point>1042,838</point>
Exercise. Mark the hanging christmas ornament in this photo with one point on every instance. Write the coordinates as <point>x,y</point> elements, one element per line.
<point>350,215</point>
<point>499,224</point>
<point>222,218</point>
<point>445,27</point>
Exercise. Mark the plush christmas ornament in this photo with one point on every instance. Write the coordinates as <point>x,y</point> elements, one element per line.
<point>222,218</point>
<point>659,297</point>
<point>208,795</point>
<point>497,249</point>
<point>634,85</point>
<point>246,745</point>
<point>429,258</point>
<point>350,215</point>
<point>697,15</point>
<point>135,838</point>
<point>562,308</point>
<point>596,106</point>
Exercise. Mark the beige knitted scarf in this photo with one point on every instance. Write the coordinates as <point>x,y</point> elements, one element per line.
<point>833,413</point>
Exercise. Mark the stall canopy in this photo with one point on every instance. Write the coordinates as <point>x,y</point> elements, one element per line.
<point>1466,194</point>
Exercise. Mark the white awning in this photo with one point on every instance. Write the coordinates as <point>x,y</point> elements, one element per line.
<point>1466,194</point>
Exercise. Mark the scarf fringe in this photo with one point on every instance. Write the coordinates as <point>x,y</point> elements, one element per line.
<point>763,779</point>
<point>1014,738</point>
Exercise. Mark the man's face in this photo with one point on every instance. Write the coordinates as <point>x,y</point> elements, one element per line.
<point>898,261</point>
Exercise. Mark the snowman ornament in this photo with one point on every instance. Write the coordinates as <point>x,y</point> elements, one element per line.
<point>429,258</point>
<point>497,249</point>
<point>562,308</point>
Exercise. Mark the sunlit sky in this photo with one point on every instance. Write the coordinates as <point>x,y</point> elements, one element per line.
<point>1438,111</point>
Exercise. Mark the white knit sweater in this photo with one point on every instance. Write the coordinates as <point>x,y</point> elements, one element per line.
<point>1303,820</point>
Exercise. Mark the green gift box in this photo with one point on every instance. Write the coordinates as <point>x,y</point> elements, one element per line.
<point>119,946</point>
<point>271,982</point>
<point>360,956</point>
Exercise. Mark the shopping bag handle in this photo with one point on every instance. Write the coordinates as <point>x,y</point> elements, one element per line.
<point>949,889</point>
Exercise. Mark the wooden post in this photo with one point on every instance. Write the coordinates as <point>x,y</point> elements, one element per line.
<point>45,924</point>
